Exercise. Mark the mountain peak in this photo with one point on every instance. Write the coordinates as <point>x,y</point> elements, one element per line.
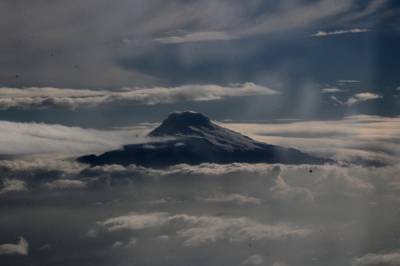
<point>198,140</point>
<point>182,123</point>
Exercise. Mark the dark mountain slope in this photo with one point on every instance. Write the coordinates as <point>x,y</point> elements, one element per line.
<point>197,140</point>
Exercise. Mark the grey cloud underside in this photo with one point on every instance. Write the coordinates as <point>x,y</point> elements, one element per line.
<point>202,42</point>
<point>62,45</point>
<point>126,212</point>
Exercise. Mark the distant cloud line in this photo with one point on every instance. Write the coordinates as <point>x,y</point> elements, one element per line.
<point>357,98</point>
<point>339,32</point>
<point>50,97</point>
<point>331,90</point>
<point>21,248</point>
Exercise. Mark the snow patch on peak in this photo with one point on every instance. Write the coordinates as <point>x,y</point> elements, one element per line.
<point>183,123</point>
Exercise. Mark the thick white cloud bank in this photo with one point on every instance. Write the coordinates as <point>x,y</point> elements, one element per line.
<point>355,138</point>
<point>35,138</point>
<point>49,97</point>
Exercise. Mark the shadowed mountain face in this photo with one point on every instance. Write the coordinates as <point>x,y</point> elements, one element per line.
<point>195,140</point>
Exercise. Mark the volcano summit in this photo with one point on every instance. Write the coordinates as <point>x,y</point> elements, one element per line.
<point>194,139</point>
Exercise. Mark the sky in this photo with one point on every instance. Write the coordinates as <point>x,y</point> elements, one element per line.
<point>79,77</point>
<point>297,48</point>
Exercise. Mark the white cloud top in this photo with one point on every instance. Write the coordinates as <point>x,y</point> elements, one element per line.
<point>199,230</point>
<point>21,248</point>
<point>392,259</point>
<point>13,185</point>
<point>331,90</point>
<point>49,97</point>
<point>363,137</point>
<point>339,32</point>
<point>362,97</point>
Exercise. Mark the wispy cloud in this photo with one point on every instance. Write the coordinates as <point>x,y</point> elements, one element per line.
<point>65,184</point>
<point>231,198</point>
<point>378,259</point>
<point>49,97</point>
<point>13,185</point>
<point>357,98</point>
<point>345,81</point>
<point>285,17</point>
<point>33,138</point>
<point>197,37</point>
<point>362,97</point>
<point>255,259</point>
<point>283,191</point>
<point>331,90</point>
<point>21,248</point>
<point>338,32</point>
<point>200,230</point>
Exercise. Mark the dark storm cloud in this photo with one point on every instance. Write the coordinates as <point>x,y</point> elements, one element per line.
<point>99,45</point>
<point>77,44</point>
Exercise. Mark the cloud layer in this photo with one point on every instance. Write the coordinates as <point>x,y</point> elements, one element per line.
<point>231,213</point>
<point>357,98</point>
<point>18,139</point>
<point>339,32</point>
<point>48,97</point>
<point>207,214</point>
<point>378,259</point>
<point>12,185</point>
<point>201,230</point>
<point>21,248</point>
<point>355,138</point>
